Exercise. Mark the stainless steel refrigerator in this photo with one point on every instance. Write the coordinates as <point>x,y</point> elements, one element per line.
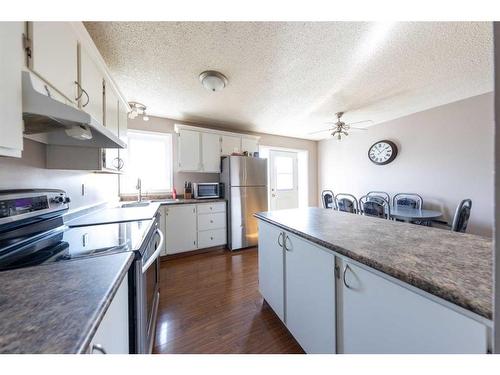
<point>245,188</point>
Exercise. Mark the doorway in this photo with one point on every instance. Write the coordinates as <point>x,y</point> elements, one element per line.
<point>283,179</point>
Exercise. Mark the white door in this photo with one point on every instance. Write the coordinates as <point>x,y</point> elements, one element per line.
<point>283,170</point>
<point>310,295</point>
<point>180,228</point>
<point>11,63</point>
<point>210,152</point>
<point>91,80</point>
<point>188,151</point>
<point>230,144</point>
<point>381,317</point>
<point>271,267</point>
<point>55,55</point>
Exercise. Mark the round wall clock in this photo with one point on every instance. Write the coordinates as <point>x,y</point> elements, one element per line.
<point>383,152</point>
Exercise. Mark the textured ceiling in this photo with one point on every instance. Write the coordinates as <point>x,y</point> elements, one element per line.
<point>289,78</point>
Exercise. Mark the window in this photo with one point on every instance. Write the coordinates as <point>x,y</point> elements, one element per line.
<point>148,157</point>
<point>284,172</point>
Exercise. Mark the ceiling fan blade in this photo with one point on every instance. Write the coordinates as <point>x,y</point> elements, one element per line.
<point>360,122</point>
<point>354,128</point>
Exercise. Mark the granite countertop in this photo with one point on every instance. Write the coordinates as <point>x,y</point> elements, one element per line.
<point>457,267</point>
<point>170,202</point>
<point>56,308</point>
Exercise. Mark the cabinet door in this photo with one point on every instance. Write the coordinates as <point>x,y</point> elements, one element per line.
<point>188,151</point>
<point>210,152</point>
<point>310,295</point>
<point>92,81</point>
<point>111,160</point>
<point>122,133</point>
<point>163,225</point>
<point>112,333</point>
<point>55,55</point>
<point>230,144</point>
<point>271,271</point>
<point>379,316</point>
<point>180,228</point>
<point>249,144</point>
<point>11,63</point>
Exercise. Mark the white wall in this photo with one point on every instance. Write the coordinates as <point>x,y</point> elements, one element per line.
<point>29,172</point>
<point>164,125</point>
<point>445,155</point>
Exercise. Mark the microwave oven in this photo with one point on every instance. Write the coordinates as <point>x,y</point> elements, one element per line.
<point>206,190</point>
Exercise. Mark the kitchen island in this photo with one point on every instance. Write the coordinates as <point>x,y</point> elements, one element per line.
<point>369,285</point>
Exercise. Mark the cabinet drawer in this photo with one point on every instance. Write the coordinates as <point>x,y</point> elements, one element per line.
<point>212,221</point>
<point>207,208</point>
<point>211,238</point>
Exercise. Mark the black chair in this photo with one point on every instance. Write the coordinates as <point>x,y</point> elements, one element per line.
<point>347,203</point>
<point>327,198</point>
<point>374,208</point>
<point>407,200</point>
<point>462,215</point>
<point>378,196</point>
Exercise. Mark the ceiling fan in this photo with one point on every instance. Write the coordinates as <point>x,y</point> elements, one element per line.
<point>340,128</point>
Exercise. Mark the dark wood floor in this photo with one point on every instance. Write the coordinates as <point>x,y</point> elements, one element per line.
<point>210,303</point>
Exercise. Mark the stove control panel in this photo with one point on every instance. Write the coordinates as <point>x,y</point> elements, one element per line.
<point>20,204</point>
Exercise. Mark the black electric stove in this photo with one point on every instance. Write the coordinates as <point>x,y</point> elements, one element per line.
<point>32,231</point>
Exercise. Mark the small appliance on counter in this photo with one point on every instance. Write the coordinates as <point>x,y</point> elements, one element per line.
<point>206,190</point>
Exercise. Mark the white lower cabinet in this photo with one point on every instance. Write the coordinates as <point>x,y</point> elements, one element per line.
<point>112,335</point>
<point>180,228</point>
<point>271,267</point>
<point>379,316</point>
<point>310,295</point>
<point>330,304</point>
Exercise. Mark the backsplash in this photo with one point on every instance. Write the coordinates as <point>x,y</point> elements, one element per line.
<point>29,172</point>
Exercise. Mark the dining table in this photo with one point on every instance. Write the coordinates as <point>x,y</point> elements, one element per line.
<point>409,214</point>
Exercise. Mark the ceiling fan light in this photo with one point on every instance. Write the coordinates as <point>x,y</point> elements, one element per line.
<point>145,117</point>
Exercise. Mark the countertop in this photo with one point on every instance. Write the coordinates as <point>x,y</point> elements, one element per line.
<point>116,215</point>
<point>170,202</point>
<point>456,267</point>
<point>56,308</point>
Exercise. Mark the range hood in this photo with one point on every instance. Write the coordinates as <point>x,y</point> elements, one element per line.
<point>62,124</point>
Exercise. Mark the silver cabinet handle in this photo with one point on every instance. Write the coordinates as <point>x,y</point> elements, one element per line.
<point>284,243</point>
<point>82,91</point>
<point>280,237</point>
<point>346,267</point>
<point>98,348</point>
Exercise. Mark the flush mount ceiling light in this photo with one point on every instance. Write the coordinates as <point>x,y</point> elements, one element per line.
<point>212,80</point>
<point>138,109</point>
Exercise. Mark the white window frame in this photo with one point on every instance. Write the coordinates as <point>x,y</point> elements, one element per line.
<point>168,138</point>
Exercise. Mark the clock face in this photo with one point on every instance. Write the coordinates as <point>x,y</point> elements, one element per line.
<point>383,152</point>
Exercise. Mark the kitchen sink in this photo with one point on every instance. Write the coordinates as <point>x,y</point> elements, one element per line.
<point>136,204</point>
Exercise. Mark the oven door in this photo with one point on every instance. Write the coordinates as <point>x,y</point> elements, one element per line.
<point>148,293</point>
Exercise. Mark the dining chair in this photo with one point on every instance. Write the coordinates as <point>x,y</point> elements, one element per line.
<point>378,196</point>
<point>407,200</point>
<point>347,203</point>
<point>462,215</point>
<point>327,197</point>
<point>375,208</point>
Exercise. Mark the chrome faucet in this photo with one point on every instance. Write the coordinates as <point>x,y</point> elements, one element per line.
<point>139,190</point>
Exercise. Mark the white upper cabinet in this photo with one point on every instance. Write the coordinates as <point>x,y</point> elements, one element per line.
<point>210,152</point>
<point>92,81</point>
<point>111,108</point>
<point>188,151</point>
<point>230,144</point>
<point>11,63</point>
<point>250,145</point>
<point>54,56</point>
